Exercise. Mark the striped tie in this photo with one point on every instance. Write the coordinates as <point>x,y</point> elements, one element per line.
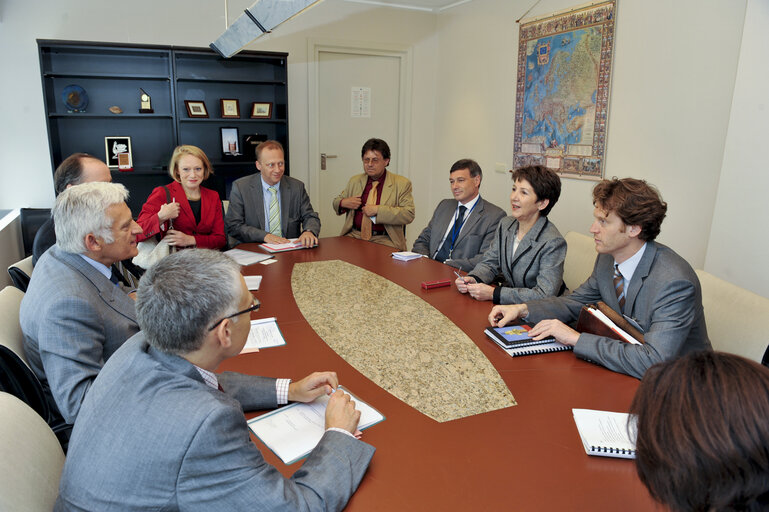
<point>619,288</point>
<point>274,213</point>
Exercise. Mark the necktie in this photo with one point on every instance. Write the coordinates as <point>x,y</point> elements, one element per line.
<point>448,244</point>
<point>365,223</point>
<point>274,213</point>
<point>114,277</point>
<point>619,287</point>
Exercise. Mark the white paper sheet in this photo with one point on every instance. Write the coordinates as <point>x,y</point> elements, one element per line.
<point>264,333</point>
<point>253,282</point>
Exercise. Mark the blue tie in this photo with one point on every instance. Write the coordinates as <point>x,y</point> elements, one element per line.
<point>448,244</point>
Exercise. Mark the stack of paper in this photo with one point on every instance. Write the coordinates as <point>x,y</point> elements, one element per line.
<point>292,432</point>
<point>406,255</point>
<point>292,245</point>
<point>246,258</point>
<point>253,282</point>
<point>604,433</point>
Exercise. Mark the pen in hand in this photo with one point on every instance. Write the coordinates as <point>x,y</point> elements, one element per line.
<point>460,276</point>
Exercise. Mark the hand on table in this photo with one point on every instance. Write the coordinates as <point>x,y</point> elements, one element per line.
<point>462,283</point>
<point>313,386</point>
<point>480,291</point>
<point>308,239</point>
<point>557,329</point>
<point>341,413</point>
<point>501,316</point>
<point>274,239</point>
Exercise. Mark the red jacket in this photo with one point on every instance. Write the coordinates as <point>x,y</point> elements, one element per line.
<point>209,233</point>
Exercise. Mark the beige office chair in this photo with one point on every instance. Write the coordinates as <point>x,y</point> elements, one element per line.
<point>20,273</point>
<point>580,258</point>
<point>735,317</point>
<point>32,458</point>
<point>10,329</point>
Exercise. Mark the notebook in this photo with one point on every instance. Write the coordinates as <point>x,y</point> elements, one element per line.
<point>606,433</point>
<point>514,336</point>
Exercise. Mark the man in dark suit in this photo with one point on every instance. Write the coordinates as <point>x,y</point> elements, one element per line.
<point>270,207</point>
<point>75,169</point>
<point>76,313</point>
<point>161,431</point>
<point>652,286</point>
<point>462,228</point>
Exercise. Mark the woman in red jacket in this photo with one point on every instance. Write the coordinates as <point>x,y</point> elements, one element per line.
<point>183,212</point>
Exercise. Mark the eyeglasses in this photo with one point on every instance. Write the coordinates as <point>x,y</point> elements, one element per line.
<point>254,306</point>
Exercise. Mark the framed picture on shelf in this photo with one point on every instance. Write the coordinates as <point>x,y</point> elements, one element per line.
<point>118,152</point>
<point>230,143</point>
<point>196,108</point>
<point>261,110</point>
<point>230,109</point>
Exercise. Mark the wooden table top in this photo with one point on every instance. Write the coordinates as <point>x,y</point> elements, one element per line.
<point>525,457</point>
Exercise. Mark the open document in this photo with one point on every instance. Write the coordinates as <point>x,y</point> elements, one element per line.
<point>292,245</point>
<point>609,434</point>
<point>292,432</point>
<point>245,258</point>
<point>264,333</point>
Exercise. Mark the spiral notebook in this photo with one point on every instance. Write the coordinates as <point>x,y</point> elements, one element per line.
<point>605,433</point>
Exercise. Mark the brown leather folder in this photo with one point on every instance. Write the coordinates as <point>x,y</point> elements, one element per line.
<point>591,324</point>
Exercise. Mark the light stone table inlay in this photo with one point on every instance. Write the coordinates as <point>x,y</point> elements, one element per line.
<point>420,357</point>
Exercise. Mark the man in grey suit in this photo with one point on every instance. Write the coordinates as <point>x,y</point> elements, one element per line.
<point>270,207</point>
<point>161,431</point>
<point>76,313</point>
<point>462,228</point>
<point>651,285</point>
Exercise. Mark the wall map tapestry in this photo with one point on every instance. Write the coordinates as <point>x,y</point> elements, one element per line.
<point>561,107</point>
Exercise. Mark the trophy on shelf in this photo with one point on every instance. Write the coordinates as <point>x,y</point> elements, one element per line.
<point>145,103</point>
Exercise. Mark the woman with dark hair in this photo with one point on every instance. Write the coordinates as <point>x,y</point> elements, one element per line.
<point>183,212</point>
<point>528,250</point>
<point>703,432</point>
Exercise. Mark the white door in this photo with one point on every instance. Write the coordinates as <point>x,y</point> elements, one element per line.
<point>342,128</point>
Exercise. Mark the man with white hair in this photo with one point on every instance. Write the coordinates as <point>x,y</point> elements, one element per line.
<point>76,313</point>
<point>159,430</point>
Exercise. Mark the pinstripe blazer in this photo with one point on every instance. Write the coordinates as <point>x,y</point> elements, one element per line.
<point>533,272</point>
<point>152,435</point>
<point>73,319</point>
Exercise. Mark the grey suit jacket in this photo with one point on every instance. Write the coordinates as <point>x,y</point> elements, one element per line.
<point>73,319</point>
<point>474,239</point>
<point>153,436</point>
<point>535,270</point>
<point>245,216</point>
<point>663,297</point>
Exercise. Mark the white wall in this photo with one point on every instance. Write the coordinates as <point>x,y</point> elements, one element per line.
<point>25,168</point>
<point>739,247</point>
<point>668,113</point>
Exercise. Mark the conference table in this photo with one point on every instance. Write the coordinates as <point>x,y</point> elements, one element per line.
<point>525,457</point>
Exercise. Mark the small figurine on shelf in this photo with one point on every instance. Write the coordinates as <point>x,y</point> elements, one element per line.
<point>145,103</point>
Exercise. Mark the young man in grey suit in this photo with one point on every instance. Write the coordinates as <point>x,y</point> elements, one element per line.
<point>270,207</point>
<point>76,313</point>
<point>653,287</point>
<point>161,431</point>
<point>462,228</point>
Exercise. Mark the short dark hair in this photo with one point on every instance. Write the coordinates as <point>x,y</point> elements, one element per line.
<point>544,181</point>
<point>470,165</point>
<point>376,145</point>
<point>703,431</point>
<point>634,201</point>
<point>269,144</point>
<point>69,172</point>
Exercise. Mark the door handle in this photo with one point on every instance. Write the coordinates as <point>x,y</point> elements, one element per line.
<point>323,157</point>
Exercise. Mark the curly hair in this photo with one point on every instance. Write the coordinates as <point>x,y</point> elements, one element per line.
<point>634,201</point>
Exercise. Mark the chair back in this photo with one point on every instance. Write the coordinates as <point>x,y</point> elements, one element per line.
<point>31,220</point>
<point>32,458</point>
<point>580,259</point>
<point>735,317</point>
<point>21,272</point>
<point>10,328</point>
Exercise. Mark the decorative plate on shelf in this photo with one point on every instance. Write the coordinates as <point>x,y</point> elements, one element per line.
<point>75,98</point>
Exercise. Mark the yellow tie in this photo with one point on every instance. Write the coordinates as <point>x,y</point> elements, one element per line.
<point>365,223</point>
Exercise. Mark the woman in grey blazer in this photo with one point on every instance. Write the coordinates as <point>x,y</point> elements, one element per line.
<point>527,250</point>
